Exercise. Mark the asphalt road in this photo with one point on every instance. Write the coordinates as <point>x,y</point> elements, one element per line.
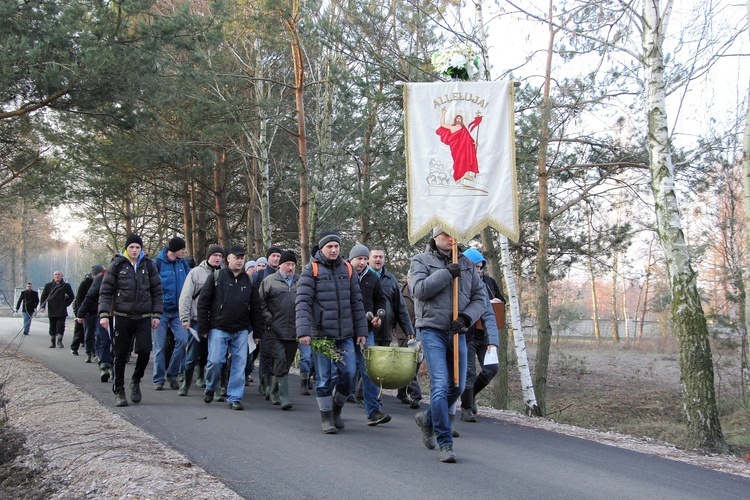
<point>264,452</point>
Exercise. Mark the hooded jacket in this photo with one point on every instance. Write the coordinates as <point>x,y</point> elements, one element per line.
<point>132,291</point>
<point>329,305</point>
<point>432,291</point>
<point>191,290</point>
<point>173,275</point>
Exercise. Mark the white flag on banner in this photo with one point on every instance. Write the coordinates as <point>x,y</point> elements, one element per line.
<point>460,158</point>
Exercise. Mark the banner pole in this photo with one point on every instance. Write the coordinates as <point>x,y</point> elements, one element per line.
<point>456,379</point>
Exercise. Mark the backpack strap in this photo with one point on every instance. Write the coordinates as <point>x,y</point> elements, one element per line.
<point>315,268</point>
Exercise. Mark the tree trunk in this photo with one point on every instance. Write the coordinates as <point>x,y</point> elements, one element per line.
<point>542,274</point>
<point>187,227</point>
<point>592,278</point>
<point>746,183</point>
<point>220,201</point>
<point>299,93</point>
<point>615,326</point>
<point>696,364</point>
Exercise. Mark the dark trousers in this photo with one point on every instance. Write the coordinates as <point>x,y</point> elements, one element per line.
<point>57,326</point>
<point>481,376</point>
<point>266,357</point>
<point>127,330</point>
<point>89,333</point>
<point>282,352</point>
<point>78,333</point>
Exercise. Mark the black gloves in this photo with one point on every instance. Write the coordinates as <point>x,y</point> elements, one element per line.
<point>458,325</point>
<point>454,269</point>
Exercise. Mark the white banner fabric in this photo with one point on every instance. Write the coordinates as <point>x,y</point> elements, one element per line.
<point>460,158</point>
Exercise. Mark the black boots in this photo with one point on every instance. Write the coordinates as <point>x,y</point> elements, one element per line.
<point>59,342</point>
<point>52,339</point>
<point>186,383</point>
<point>327,425</point>
<point>283,386</point>
<point>337,420</point>
<point>304,378</point>
<point>467,403</point>
<point>120,399</point>
<point>135,391</point>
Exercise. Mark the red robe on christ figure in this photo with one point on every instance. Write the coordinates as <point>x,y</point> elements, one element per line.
<point>462,146</point>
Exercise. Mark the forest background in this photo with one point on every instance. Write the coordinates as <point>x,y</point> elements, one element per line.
<point>265,122</point>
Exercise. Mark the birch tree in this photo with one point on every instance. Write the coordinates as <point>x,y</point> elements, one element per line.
<point>696,364</point>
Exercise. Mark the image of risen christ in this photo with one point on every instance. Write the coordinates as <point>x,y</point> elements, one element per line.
<point>463,148</point>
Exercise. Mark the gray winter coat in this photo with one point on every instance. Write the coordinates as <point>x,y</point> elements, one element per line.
<point>432,291</point>
<point>191,290</point>
<point>329,305</point>
<point>277,306</point>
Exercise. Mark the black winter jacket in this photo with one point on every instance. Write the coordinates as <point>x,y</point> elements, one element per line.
<point>329,305</point>
<point>372,293</point>
<point>56,297</point>
<point>83,289</point>
<point>135,292</point>
<point>231,305</point>
<point>90,302</point>
<point>395,311</point>
<point>277,306</point>
<point>29,299</point>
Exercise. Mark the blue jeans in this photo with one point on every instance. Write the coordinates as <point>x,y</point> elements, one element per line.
<point>369,390</point>
<point>176,364</point>
<point>218,343</point>
<point>89,332</point>
<point>26,321</point>
<point>438,353</point>
<point>305,359</point>
<point>103,345</point>
<point>346,368</point>
<point>196,351</point>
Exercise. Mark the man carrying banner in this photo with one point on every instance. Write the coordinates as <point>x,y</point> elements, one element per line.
<point>432,274</point>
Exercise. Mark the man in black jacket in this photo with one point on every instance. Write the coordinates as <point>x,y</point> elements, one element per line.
<point>373,301</point>
<point>28,299</point>
<point>79,330</point>
<point>131,292</point>
<point>329,313</point>
<point>227,306</point>
<point>87,313</point>
<point>56,297</point>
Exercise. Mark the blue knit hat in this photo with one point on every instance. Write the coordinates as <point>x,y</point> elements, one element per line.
<point>475,256</point>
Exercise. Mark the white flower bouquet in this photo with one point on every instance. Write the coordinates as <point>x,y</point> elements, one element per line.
<point>458,62</point>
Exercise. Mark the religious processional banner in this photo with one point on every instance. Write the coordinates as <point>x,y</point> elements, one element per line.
<point>460,158</point>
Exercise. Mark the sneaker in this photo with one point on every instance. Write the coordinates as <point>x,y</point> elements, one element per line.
<point>248,380</point>
<point>447,455</point>
<point>173,384</point>
<point>135,391</point>
<point>120,399</point>
<point>428,433</point>
<point>414,405</point>
<point>159,386</point>
<point>74,353</point>
<point>88,358</point>
<point>405,401</point>
<point>467,415</point>
<point>235,405</point>
<point>378,418</point>
<point>208,396</point>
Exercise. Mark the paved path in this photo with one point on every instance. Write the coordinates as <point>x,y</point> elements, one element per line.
<point>264,452</point>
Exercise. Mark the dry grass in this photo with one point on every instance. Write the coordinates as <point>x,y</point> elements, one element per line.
<point>633,388</point>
